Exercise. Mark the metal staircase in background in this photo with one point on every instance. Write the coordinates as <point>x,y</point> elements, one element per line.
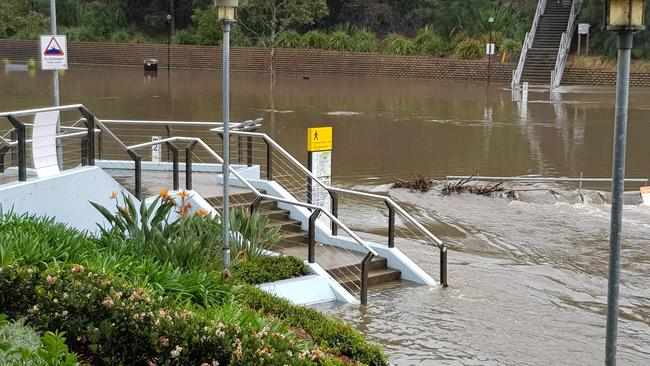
<point>546,47</point>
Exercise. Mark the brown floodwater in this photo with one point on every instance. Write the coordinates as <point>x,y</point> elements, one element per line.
<point>528,277</point>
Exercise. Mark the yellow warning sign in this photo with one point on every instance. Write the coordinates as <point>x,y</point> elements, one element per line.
<point>319,139</point>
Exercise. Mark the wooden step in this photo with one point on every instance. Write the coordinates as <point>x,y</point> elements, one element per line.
<point>286,225</point>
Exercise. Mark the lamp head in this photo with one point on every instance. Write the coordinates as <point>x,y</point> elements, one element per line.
<point>226,9</point>
<point>625,15</point>
<point>491,19</point>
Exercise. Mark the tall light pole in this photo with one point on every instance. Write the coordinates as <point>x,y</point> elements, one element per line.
<point>169,44</point>
<point>491,21</point>
<point>227,11</point>
<point>55,85</point>
<point>625,18</point>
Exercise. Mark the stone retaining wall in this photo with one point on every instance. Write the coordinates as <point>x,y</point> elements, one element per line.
<point>300,61</point>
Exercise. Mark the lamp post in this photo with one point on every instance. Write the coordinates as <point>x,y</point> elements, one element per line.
<point>227,11</point>
<point>489,48</point>
<point>625,18</point>
<point>169,43</point>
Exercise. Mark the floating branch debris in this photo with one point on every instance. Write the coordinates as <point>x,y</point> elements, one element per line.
<point>419,183</point>
<point>464,186</point>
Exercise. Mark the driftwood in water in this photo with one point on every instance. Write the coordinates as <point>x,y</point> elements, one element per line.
<point>463,186</point>
<point>419,183</point>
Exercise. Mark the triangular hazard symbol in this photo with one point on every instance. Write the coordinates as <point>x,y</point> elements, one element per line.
<point>53,48</point>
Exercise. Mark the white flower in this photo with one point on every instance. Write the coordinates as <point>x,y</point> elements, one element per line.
<point>176,352</point>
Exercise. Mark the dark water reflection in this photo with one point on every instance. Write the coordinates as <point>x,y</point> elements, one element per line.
<point>528,279</point>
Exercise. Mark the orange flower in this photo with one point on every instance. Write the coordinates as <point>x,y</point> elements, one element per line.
<point>183,194</point>
<point>185,208</point>
<point>164,193</point>
<point>202,212</point>
<point>113,195</point>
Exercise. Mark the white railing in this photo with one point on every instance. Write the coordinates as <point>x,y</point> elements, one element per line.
<point>565,45</point>
<point>528,44</point>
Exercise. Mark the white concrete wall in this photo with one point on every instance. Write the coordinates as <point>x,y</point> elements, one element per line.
<point>65,197</point>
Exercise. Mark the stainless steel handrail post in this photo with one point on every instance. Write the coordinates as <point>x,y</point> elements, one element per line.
<point>171,148</point>
<point>311,253</point>
<point>22,152</point>
<point>137,160</point>
<point>188,165</point>
<point>364,278</point>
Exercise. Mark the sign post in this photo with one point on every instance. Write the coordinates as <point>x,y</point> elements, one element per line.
<point>319,162</point>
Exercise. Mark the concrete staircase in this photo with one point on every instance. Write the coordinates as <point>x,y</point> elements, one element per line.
<point>341,264</point>
<point>541,58</point>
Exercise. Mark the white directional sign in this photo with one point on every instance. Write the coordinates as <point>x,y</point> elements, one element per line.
<point>54,53</point>
<point>156,150</point>
<point>489,49</point>
<point>583,28</point>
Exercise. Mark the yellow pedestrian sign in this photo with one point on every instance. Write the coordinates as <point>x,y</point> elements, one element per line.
<point>319,139</point>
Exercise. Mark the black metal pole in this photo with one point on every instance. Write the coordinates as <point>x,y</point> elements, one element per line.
<point>249,148</point>
<point>256,204</point>
<point>22,146</point>
<point>269,161</point>
<point>335,212</point>
<point>137,160</point>
<point>443,266</point>
<point>391,225</point>
<point>171,148</point>
<point>3,152</point>
<point>188,165</point>
<point>490,54</point>
<point>311,254</point>
<point>364,278</point>
<point>90,125</point>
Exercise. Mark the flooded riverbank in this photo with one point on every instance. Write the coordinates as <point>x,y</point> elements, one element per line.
<point>527,278</point>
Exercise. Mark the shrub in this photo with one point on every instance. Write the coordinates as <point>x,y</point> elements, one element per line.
<point>21,345</point>
<point>184,36</point>
<point>79,34</point>
<point>338,40</point>
<point>469,49</point>
<point>269,269</point>
<point>324,330</point>
<point>397,44</point>
<point>428,42</point>
<point>289,39</point>
<point>208,30</point>
<point>102,19</point>
<point>120,323</point>
<point>315,39</point>
<point>511,46</point>
<point>364,41</point>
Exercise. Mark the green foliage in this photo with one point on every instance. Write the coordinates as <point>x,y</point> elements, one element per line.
<point>428,42</point>
<point>397,44</point>
<point>324,330</point>
<point>511,46</point>
<point>21,345</point>
<point>208,31</point>
<point>364,41</point>
<point>339,40</point>
<point>269,269</point>
<point>289,39</point>
<point>251,234</point>
<point>117,322</point>
<point>102,19</point>
<point>184,36</point>
<point>469,49</point>
<point>21,19</point>
<point>315,39</point>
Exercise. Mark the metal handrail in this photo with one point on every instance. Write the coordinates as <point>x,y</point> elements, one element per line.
<point>565,45</point>
<point>306,171</point>
<point>528,43</point>
<point>255,190</point>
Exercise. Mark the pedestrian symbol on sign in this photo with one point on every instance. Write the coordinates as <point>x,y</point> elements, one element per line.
<point>316,135</point>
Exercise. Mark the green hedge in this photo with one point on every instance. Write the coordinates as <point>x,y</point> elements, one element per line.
<point>269,269</point>
<point>120,323</point>
<point>324,330</point>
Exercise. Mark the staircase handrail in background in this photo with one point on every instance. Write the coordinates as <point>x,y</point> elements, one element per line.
<point>565,45</point>
<point>528,43</point>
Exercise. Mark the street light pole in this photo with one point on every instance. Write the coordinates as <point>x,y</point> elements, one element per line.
<point>226,10</point>
<point>491,21</point>
<point>169,43</point>
<point>625,18</point>
<point>55,73</point>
